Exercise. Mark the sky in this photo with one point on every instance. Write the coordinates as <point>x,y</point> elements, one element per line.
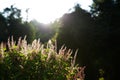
<point>44,11</point>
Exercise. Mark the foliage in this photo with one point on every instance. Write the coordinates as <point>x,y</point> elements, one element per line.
<point>45,31</point>
<point>11,24</point>
<point>3,28</point>
<point>106,14</point>
<point>23,61</point>
<point>76,32</point>
<point>96,34</point>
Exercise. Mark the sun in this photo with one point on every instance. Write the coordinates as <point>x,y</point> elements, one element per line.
<point>48,10</point>
<point>44,11</point>
<point>42,15</point>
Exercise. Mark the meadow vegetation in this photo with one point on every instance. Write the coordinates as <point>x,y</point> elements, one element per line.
<point>22,61</point>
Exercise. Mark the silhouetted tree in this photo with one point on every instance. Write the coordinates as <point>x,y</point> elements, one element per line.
<point>77,32</point>
<point>106,14</point>
<point>13,25</point>
<point>3,28</point>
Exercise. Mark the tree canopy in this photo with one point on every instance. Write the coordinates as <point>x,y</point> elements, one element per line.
<point>12,25</point>
<point>95,34</point>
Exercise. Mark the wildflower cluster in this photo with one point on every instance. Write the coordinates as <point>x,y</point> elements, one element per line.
<point>23,61</point>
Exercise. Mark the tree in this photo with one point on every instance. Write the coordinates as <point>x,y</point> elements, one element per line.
<point>77,32</point>
<point>3,28</point>
<point>106,14</point>
<point>44,31</point>
<point>15,26</point>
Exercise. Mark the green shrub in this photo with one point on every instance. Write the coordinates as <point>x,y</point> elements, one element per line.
<point>36,61</point>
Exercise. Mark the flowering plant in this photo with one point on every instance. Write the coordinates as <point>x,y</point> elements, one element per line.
<point>23,61</point>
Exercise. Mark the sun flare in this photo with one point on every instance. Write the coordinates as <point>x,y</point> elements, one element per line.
<point>44,11</point>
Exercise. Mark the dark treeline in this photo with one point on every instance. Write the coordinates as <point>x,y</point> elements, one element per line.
<point>12,24</point>
<point>95,33</point>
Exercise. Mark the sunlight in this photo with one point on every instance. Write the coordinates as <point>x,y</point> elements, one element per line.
<point>45,11</point>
